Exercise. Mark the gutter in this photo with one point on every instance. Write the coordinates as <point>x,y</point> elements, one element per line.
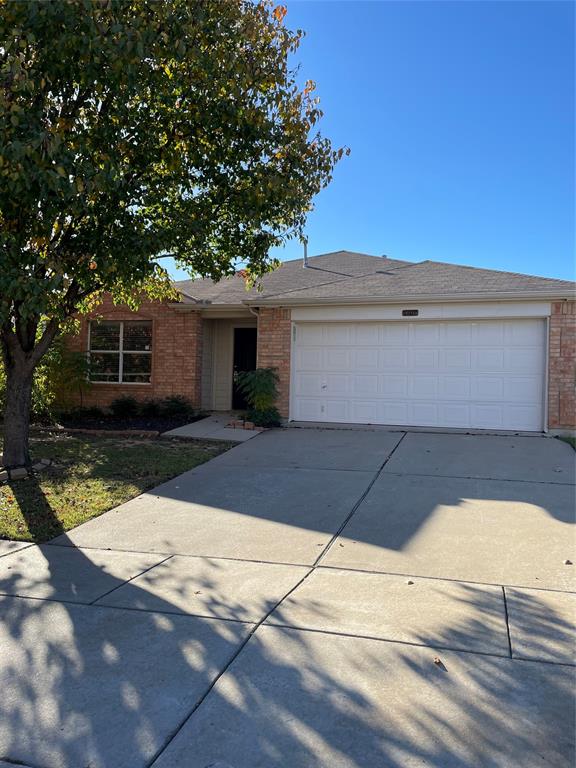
<point>412,299</point>
<point>428,298</point>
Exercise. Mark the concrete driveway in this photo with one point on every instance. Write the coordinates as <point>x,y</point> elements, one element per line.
<point>312,598</point>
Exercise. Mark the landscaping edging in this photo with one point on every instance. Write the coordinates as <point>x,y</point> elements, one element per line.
<point>113,432</point>
<point>19,473</point>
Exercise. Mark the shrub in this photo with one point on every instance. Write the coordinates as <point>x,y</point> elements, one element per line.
<point>176,405</point>
<point>124,407</point>
<point>67,375</point>
<point>61,376</point>
<point>268,418</point>
<point>150,408</point>
<point>260,387</point>
<point>79,414</point>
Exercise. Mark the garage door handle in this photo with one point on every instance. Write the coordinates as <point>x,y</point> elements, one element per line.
<point>324,386</point>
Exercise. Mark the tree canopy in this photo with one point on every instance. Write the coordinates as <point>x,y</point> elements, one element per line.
<point>132,129</point>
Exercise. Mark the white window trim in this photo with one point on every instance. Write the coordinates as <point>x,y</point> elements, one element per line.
<point>120,352</point>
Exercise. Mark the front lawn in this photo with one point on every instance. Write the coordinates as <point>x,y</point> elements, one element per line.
<point>90,475</point>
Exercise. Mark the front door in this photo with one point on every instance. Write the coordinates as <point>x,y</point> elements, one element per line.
<point>244,360</point>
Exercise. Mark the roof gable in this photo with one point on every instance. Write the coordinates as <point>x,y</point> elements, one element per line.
<point>345,275</point>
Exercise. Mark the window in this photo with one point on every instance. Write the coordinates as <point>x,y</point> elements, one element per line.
<point>121,352</point>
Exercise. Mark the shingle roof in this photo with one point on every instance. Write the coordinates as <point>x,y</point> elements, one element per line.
<point>347,276</point>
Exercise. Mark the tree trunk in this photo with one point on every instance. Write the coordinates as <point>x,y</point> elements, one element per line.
<point>17,414</point>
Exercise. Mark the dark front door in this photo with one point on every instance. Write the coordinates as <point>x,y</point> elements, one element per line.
<point>244,360</point>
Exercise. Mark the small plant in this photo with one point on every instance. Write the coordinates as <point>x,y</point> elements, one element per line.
<point>124,407</point>
<point>176,405</point>
<point>68,374</point>
<point>79,414</point>
<point>268,418</point>
<point>150,408</point>
<point>260,387</point>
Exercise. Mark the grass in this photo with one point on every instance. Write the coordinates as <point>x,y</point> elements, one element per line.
<point>90,475</point>
<point>570,440</point>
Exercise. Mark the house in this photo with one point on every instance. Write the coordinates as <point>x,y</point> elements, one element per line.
<point>356,339</point>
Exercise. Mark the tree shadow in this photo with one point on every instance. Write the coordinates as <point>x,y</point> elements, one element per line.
<point>98,686</point>
<point>89,685</point>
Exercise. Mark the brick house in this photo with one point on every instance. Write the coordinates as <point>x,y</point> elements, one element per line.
<point>355,339</point>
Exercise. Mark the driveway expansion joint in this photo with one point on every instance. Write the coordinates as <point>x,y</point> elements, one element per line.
<point>507,623</point>
<point>136,575</point>
<point>354,509</point>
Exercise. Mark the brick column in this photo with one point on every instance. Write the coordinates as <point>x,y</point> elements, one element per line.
<point>274,329</point>
<point>562,366</point>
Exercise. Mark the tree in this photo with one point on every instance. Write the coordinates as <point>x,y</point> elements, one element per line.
<point>132,129</point>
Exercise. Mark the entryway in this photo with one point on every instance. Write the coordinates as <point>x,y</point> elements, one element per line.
<point>244,360</point>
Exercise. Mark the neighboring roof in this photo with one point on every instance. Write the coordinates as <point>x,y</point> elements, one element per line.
<point>348,276</point>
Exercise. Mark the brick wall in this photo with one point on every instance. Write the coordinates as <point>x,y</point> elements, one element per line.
<point>274,329</point>
<point>562,366</point>
<point>176,353</point>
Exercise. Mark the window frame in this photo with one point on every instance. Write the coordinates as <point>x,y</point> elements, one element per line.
<point>120,352</point>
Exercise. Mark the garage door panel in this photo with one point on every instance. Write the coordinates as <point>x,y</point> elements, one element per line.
<point>522,359</point>
<point>487,333</point>
<point>525,389</point>
<point>528,333</point>
<point>483,374</point>
<point>425,414</point>
<point>488,388</point>
<point>457,359</point>
<point>336,410</point>
<point>487,415</point>
<point>455,414</point>
<point>337,359</point>
<point>487,360</point>
<point>366,411</point>
<point>366,384</point>
<point>338,335</point>
<point>395,386</point>
<point>308,409</point>
<point>308,384</point>
<point>395,359</point>
<point>457,334</point>
<point>455,387</point>
<point>524,416</point>
<point>336,385</point>
<point>365,359</point>
<point>311,335</point>
<point>368,334</point>
<point>423,358</point>
<point>426,333</point>
<point>423,387</point>
<point>309,359</point>
<point>395,334</point>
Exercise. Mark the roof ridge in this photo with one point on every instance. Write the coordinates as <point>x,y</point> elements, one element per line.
<point>496,271</point>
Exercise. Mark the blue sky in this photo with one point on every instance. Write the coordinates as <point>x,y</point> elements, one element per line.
<point>460,120</point>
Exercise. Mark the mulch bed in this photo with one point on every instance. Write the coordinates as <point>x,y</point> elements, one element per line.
<point>140,424</point>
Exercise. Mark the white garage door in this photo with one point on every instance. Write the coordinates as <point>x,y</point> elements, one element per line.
<point>486,374</point>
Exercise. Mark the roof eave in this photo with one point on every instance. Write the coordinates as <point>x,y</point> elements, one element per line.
<point>278,301</point>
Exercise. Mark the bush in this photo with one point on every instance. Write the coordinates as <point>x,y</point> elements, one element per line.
<point>79,414</point>
<point>176,405</point>
<point>124,407</point>
<point>150,408</point>
<point>59,378</point>
<point>260,387</point>
<point>268,418</point>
